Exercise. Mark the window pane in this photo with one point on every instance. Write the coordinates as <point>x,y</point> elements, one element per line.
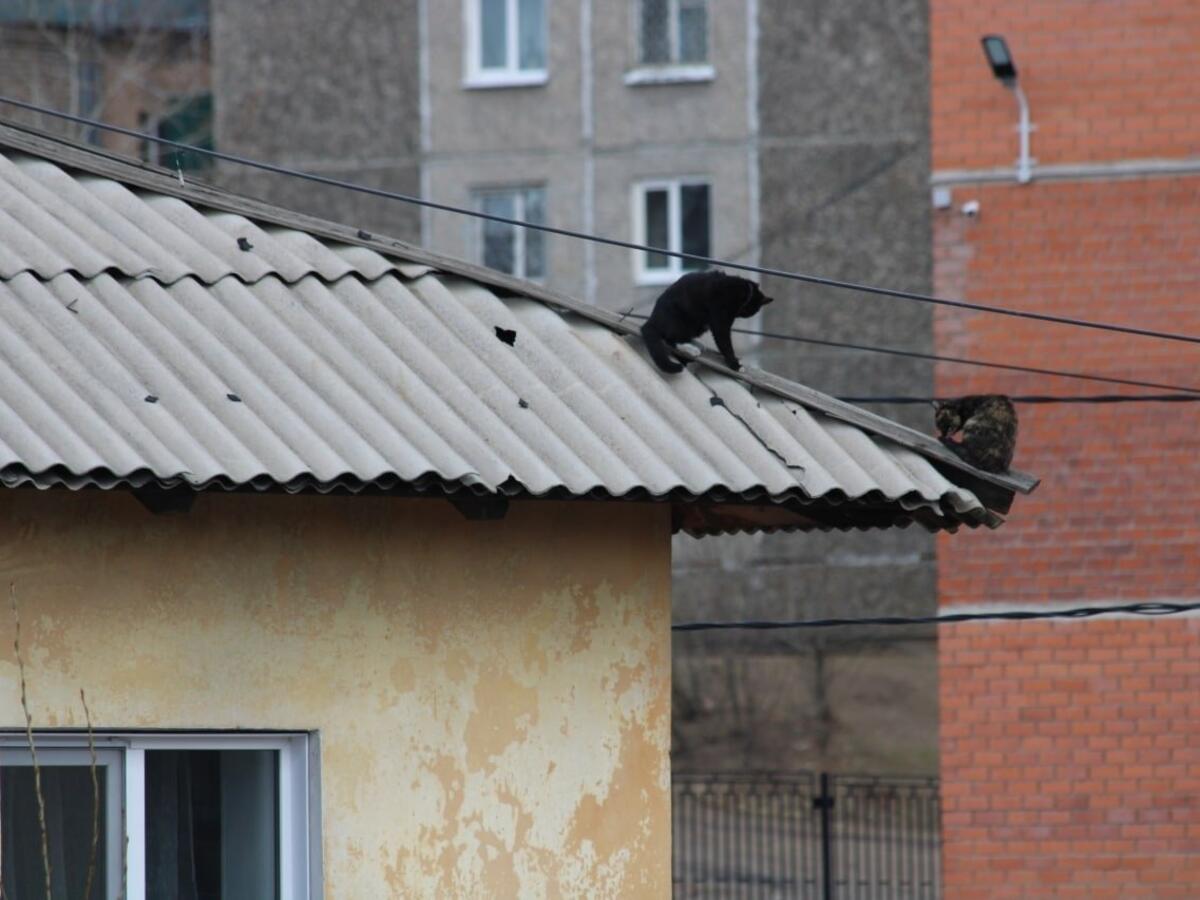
<point>499,239</point>
<point>694,209</point>
<point>693,32</point>
<point>532,24</point>
<point>657,225</point>
<point>211,830</point>
<point>190,121</point>
<point>535,241</point>
<point>493,36</point>
<point>67,792</point>
<point>656,37</point>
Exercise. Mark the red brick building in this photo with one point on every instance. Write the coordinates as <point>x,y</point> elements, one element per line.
<point>1070,750</point>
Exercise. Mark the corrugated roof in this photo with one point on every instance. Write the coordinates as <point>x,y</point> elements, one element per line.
<point>167,335</point>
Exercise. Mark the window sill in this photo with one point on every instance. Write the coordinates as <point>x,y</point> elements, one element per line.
<point>493,80</point>
<point>652,75</point>
<point>656,278</point>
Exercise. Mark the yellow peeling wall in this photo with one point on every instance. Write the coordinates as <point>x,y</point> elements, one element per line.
<point>493,698</point>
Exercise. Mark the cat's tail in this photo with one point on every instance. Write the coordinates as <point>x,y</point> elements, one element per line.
<point>657,345</point>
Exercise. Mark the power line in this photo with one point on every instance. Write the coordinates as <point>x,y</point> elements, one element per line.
<point>958,360</point>
<point>1044,399</point>
<point>965,361</point>
<point>1082,612</point>
<point>600,239</point>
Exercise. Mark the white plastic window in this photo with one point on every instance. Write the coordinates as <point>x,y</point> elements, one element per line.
<point>508,42</point>
<point>674,32</point>
<point>675,216</point>
<point>177,816</point>
<point>510,248</point>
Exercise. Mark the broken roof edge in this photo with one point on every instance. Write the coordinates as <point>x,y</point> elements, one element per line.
<point>142,175</point>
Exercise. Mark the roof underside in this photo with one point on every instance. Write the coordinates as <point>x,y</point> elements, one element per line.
<point>140,344</point>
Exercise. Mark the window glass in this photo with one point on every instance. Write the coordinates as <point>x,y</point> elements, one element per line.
<point>68,795</point>
<point>493,33</point>
<point>532,34</point>
<point>535,241</point>
<point>658,227</point>
<point>211,830</point>
<point>190,121</point>
<point>499,239</point>
<point>510,248</point>
<point>693,31</point>
<point>656,33</point>
<point>693,203</point>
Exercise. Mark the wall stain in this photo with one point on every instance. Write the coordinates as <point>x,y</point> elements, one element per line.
<point>493,698</point>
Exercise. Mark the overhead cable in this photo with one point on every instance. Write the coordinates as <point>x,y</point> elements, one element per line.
<point>965,361</point>
<point>958,360</point>
<point>600,239</point>
<point>1024,615</point>
<point>1043,399</point>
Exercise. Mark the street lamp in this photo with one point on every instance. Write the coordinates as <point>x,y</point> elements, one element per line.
<point>995,48</point>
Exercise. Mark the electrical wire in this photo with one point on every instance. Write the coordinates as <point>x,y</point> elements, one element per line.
<point>1082,612</point>
<point>600,239</point>
<point>1044,399</point>
<point>965,361</point>
<point>958,360</point>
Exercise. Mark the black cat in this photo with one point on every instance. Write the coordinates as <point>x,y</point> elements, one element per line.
<point>696,303</point>
<point>988,423</point>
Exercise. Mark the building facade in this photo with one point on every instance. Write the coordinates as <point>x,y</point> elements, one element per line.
<point>1069,749</point>
<point>324,667</point>
<point>761,131</point>
<point>140,66</point>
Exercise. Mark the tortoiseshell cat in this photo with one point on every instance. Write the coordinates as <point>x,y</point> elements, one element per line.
<point>696,303</point>
<point>988,423</point>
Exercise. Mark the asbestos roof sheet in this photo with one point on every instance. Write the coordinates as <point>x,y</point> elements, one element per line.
<point>174,338</point>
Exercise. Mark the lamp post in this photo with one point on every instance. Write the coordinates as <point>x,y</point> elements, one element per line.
<point>995,48</point>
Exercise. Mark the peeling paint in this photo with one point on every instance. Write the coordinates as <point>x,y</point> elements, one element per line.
<point>493,697</point>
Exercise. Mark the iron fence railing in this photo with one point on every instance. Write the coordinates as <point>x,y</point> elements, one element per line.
<point>770,836</point>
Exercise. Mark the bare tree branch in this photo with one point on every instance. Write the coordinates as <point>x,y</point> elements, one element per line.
<point>37,772</point>
<point>91,869</point>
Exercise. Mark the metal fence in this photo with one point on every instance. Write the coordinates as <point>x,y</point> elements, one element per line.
<point>802,835</point>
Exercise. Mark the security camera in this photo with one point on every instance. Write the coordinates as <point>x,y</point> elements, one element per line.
<point>970,209</point>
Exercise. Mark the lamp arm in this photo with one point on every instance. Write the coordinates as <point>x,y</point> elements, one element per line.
<point>1024,165</point>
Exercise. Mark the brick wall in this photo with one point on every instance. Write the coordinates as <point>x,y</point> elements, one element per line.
<point>1104,80</point>
<point>1071,759</point>
<point>1070,751</point>
<point>1116,514</point>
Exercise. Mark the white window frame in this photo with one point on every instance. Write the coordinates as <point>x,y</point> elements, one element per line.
<point>123,755</point>
<point>642,273</point>
<point>673,71</point>
<point>476,75</point>
<point>519,249</point>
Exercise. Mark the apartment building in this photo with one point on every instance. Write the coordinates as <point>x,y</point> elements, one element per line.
<point>793,134</point>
